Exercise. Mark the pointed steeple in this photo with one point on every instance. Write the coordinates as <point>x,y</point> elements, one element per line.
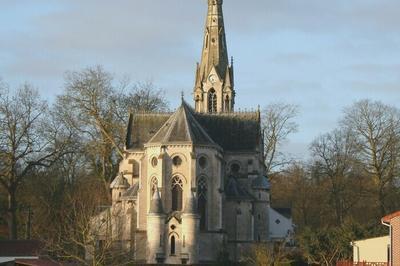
<point>211,85</point>
<point>214,48</point>
<point>156,203</point>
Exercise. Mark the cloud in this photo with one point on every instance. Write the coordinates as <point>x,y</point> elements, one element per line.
<point>321,55</point>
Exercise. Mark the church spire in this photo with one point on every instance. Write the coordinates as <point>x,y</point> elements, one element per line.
<point>213,92</point>
<point>214,47</point>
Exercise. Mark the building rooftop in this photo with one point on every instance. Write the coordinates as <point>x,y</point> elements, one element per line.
<point>389,217</point>
<point>19,248</point>
<point>234,131</point>
<point>182,126</point>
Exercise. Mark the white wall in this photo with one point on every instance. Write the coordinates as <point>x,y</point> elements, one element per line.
<point>279,230</point>
<point>371,250</point>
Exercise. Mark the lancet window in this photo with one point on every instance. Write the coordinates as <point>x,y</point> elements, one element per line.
<point>227,104</point>
<point>202,202</point>
<point>153,186</point>
<point>172,245</point>
<point>176,193</point>
<point>212,101</point>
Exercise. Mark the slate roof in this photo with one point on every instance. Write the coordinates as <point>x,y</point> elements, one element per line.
<point>20,248</point>
<point>142,127</point>
<point>132,191</point>
<point>39,262</point>
<point>236,131</point>
<point>119,182</point>
<point>182,126</point>
<point>233,190</point>
<point>286,212</point>
<point>261,182</point>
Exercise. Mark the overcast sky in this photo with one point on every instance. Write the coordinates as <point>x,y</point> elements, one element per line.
<point>321,55</point>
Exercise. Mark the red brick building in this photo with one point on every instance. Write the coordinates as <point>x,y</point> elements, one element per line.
<point>393,222</point>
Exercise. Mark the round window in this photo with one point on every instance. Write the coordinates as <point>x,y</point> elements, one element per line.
<point>203,162</point>
<point>177,161</point>
<point>154,161</point>
<point>235,168</point>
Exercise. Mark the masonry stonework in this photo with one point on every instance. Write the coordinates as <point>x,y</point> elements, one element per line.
<point>192,183</point>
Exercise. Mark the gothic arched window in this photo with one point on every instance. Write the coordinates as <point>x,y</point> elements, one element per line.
<point>227,105</point>
<point>212,101</point>
<point>172,245</point>
<point>176,189</point>
<point>202,202</point>
<point>153,186</point>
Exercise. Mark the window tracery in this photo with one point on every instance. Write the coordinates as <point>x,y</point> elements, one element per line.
<point>202,202</point>
<point>176,193</point>
<point>212,101</point>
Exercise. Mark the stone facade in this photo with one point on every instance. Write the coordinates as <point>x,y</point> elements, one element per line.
<point>192,183</point>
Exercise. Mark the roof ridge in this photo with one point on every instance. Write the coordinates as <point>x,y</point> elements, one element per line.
<point>186,119</point>
<point>203,131</point>
<point>161,128</point>
<point>182,126</point>
<point>231,114</point>
<point>174,118</point>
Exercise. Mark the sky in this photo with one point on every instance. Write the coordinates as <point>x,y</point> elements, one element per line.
<point>320,55</point>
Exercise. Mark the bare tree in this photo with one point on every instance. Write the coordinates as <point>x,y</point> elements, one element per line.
<point>376,129</point>
<point>64,217</point>
<point>277,125</point>
<point>336,156</point>
<point>98,108</point>
<point>28,140</point>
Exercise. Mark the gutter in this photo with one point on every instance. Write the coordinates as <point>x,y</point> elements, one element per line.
<point>391,242</point>
<point>353,244</point>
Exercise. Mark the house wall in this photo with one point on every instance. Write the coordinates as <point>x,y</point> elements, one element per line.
<point>371,250</point>
<point>395,223</point>
<point>279,225</point>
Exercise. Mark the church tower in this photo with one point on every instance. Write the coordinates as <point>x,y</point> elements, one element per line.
<point>214,87</point>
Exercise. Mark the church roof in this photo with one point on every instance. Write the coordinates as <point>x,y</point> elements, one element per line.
<point>132,191</point>
<point>119,182</point>
<point>182,126</point>
<point>233,190</point>
<point>236,131</point>
<point>261,182</point>
<point>143,126</point>
<point>286,212</point>
<point>233,131</point>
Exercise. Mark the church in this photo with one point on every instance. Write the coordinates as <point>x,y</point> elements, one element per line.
<point>192,184</point>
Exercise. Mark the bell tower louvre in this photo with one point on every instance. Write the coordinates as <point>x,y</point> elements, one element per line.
<point>214,87</point>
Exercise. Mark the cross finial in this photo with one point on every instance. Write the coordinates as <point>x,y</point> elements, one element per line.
<point>182,95</point>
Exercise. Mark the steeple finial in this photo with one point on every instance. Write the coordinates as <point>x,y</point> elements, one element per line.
<point>214,47</point>
<point>214,67</point>
<point>156,203</point>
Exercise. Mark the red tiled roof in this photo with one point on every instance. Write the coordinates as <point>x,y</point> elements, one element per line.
<point>389,217</point>
<point>14,248</point>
